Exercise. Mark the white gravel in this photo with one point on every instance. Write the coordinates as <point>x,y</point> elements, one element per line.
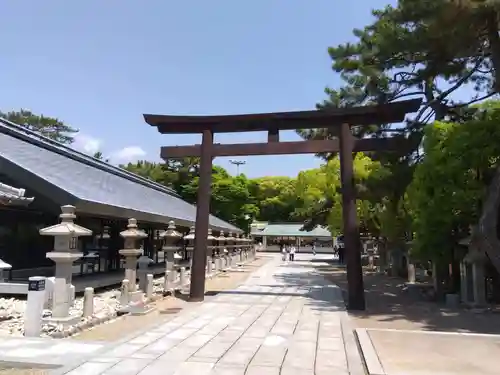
<point>12,312</point>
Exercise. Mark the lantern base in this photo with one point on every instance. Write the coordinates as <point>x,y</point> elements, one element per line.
<point>65,322</point>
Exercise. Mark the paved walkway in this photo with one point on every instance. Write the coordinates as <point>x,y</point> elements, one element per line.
<point>284,319</point>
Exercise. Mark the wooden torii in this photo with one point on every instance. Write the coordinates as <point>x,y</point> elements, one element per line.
<point>272,123</point>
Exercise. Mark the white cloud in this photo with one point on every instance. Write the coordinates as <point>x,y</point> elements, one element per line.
<point>91,145</point>
<point>87,144</point>
<point>128,154</point>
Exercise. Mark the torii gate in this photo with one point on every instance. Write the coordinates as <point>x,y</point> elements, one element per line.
<point>272,123</point>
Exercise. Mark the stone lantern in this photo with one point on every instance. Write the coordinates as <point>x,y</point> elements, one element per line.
<point>131,251</point>
<point>65,252</point>
<point>211,243</point>
<point>189,239</point>
<point>170,239</point>
<point>221,240</point>
<point>241,243</point>
<point>230,243</point>
<point>235,242</point>
<point>251,245</point>
<point>211,248</point>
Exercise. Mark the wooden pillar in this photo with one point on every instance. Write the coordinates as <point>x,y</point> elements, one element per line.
<point>197,287</point>
<point>356,293</point>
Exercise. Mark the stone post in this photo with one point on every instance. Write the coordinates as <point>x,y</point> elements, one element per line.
<point>217,264</point>
<point>229,247</point>
<point>209,265</point>
<point>411,273</point>
<point>173,275</point>
<point>183,279</point>
<point>166,282</point>
<point>143,268</point>
<point>88,302</point>
<point>34,306</point>
<point>224,259</point>
<point>124,293</point>
<point>131,251</point>
<point>149,286</point>
<point>64,254</point>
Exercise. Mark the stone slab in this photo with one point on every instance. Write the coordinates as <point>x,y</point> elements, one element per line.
<point>45,351</point>
<point>441,353</point>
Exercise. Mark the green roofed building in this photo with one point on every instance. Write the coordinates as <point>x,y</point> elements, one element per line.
<point>272,235</point>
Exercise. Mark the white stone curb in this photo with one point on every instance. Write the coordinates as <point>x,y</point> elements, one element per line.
<point>369,354</point>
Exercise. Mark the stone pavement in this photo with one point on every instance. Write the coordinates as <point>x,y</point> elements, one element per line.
<point>404,352</point>
<point>285,319</point>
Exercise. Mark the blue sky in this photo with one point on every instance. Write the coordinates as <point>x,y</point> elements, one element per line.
<point>99,65</point>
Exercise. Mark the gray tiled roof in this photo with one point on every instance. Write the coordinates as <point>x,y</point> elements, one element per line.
<point>94,187</point>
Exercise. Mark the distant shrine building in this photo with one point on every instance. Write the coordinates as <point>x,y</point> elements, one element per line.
<point>273,235</point>
<point>38,176</point>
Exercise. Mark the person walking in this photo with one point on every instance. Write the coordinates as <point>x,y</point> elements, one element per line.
<point>283,253</point>
<point>314,249</point>
<point>341,254</point>
<point>292,253</point>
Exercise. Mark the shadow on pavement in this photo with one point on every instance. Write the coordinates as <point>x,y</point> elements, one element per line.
<point>389,306</point>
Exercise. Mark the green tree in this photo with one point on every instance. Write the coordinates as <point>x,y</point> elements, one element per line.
<point>99,156</point>
<point>275,197</point>
<point>230,197</point>
<point>149,170</point>
<point>47,126</point>
<point>449,186</point>
<point>319,194</point>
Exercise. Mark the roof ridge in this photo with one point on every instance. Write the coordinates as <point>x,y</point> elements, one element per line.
<point>19,132</point>
<point>12,190</point>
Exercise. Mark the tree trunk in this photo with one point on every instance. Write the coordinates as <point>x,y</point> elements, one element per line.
<point>494,41</point>
<point>486,238</point>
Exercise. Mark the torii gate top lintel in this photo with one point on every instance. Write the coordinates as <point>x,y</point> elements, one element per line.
<point>363,115</point>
